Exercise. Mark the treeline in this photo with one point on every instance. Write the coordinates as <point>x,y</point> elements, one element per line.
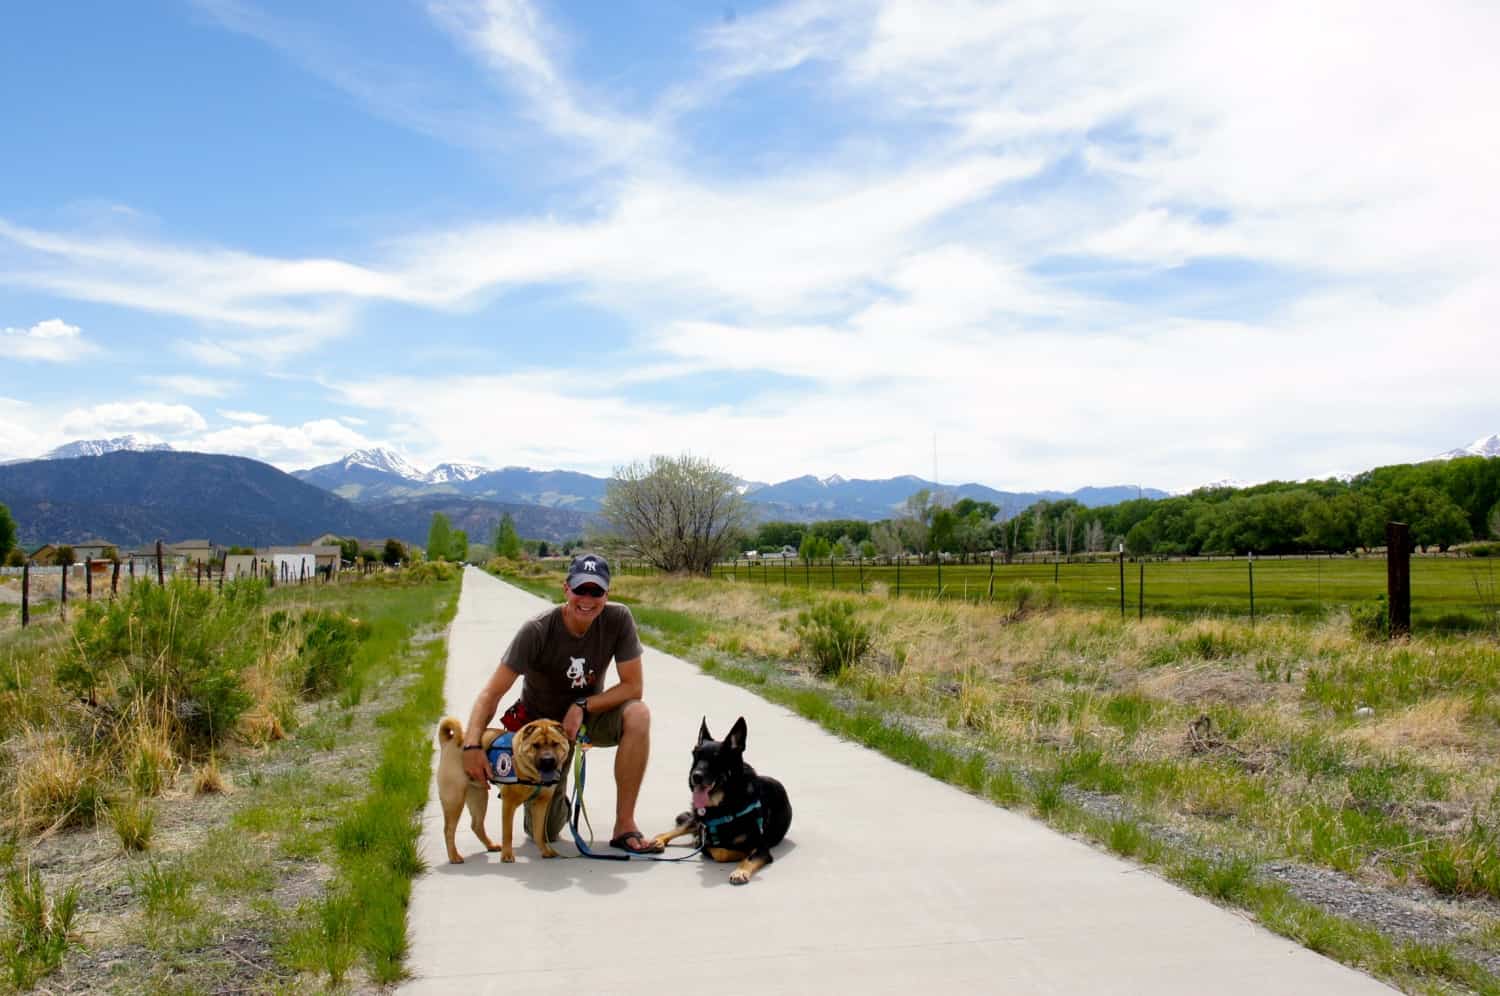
<point>1444,502</point>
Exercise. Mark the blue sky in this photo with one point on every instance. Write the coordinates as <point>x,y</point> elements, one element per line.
<point>1070,245</point>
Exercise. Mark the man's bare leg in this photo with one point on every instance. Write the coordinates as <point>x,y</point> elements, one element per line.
<point>630,764</point>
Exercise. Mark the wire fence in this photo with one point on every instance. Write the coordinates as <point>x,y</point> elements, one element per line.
<point>1446,592</point>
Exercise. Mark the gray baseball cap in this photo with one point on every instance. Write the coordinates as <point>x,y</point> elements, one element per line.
<point>588,568</point>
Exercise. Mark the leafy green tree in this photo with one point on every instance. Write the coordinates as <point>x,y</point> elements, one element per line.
<point>867,549</point>
<point>542,549</point>
<point>1494,521</point>
<point>14,557</point>
<point>439,537</point>
<point>394,552</point>
<point>507,540</point>
<point>64,556</point>
<point>458,546</point>
<point>7,531</point>
<point>814,547</point>
<point>348,548</point>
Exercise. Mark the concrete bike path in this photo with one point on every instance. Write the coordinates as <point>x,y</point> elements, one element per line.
<point>889,882</point>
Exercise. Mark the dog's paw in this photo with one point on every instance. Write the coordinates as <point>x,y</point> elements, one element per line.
<point>507,857</point>
<point>455,859</point>
<point>492,847</point>
<point>738,877</point>
<point>548,852</point>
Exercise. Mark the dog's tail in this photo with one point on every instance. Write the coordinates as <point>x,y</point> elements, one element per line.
<point>450,730</point>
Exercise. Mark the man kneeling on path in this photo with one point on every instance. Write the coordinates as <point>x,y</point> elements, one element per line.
<point>563,655</point>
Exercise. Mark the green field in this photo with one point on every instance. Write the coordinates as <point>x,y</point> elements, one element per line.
<point>1447,592</point>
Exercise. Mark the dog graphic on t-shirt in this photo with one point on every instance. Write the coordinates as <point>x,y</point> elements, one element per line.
<point>575,672</point>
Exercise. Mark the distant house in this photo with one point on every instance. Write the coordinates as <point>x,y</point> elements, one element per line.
<point>785,553</point>
<point>94,549</point>
<point>141,561</point>
<point>246,565</point>
<point>43,555</point>
<point>292,563</point>
<point>193,551</point>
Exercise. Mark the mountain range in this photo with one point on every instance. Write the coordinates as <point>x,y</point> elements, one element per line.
<point>1486,446</point>
<point>129,491</point>
<point>375,475</point>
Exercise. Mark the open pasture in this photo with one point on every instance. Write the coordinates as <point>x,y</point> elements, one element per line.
<point>1447,592</point>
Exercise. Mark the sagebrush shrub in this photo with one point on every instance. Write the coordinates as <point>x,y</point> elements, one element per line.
<point>328,651</point>
<point>175,650</point>
<point>832,637</point>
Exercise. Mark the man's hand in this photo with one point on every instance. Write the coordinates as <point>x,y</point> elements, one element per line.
<point>476,766</point>
<point>572,720</point>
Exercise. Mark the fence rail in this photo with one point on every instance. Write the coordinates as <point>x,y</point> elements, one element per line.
<point>1446,591</point>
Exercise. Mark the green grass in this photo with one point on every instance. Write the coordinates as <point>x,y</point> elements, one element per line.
<point>1447,592</point>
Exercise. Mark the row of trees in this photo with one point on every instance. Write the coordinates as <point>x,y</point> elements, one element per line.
<point>684,514</point>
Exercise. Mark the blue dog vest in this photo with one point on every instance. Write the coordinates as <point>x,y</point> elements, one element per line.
<point>502,758</point>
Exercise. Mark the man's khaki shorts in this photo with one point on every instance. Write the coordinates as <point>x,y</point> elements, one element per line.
<point>603,731</point>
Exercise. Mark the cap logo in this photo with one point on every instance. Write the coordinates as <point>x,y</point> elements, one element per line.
<point>589,565</point>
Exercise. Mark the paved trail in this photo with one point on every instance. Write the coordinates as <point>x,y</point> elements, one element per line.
<point>889,882</point>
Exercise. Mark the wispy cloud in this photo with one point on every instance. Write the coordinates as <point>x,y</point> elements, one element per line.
<point>196,387</point>
<point>248,418</point>
<point>52,341</point>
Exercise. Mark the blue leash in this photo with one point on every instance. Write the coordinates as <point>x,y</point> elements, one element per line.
<point>583,848</point>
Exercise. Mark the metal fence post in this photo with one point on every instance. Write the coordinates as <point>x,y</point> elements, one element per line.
<point>833,577</point>
<point>1122,580</point>
<point>992,577</point>
<point>940,577</point>
<point>898,576</point>
<point>1140,592</point>
<point>807,572</point>
<point>861,574</point>
<point>25,593</point>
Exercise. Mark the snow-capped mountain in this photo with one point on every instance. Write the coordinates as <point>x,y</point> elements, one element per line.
<point>449,473</point>
<point>98,447</point>
<point>1489,446</point>
<point>384,460</point>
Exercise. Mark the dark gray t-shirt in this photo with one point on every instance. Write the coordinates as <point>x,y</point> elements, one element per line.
<point>560,667</point>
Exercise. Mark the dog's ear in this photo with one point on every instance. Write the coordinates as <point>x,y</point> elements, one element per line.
<point>703,735</point>
<point>736,738</point>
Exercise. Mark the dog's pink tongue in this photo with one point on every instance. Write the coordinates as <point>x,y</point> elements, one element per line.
<point>700,800</point>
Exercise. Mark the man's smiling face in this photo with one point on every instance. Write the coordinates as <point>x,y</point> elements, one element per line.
<point>586,602</point>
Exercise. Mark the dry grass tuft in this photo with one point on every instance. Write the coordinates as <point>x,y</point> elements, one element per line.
<point>261,726</point>
<point>145,748</point>
<point>1436,724</point>
<point>209,779</point>
<point>56,785</point>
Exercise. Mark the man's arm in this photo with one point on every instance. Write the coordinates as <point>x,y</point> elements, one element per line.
<point>479,717</point>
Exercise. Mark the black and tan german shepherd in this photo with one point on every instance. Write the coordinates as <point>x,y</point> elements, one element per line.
<point>737,814</point>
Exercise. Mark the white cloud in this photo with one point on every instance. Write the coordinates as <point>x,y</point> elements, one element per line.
<point>140,417</point>
<point>210,354</point>
<point>289,447</point>
<point>248,418</point>
<point>52,340</point>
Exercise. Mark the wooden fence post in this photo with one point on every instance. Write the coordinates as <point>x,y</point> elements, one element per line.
<point>88,579</point>
<point>114,581</point>
<point>833,578</point>
<point>1250,563</point>
<point>65,587</point>
<point>25,593</point>
<point>1398,577</point>
<point>992,577</point>
<point>160,576</point>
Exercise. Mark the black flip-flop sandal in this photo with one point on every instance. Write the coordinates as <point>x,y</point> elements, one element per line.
<point>623,841</point>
